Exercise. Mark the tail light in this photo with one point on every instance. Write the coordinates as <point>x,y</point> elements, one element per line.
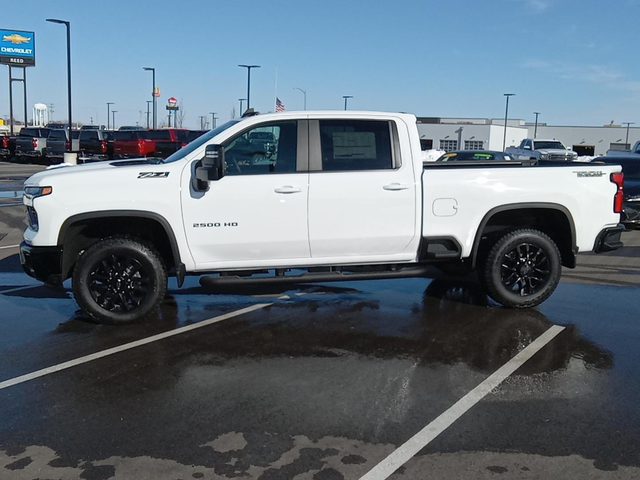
<point>34,142</point>
<point>183,144</point>
<point>5,142</point>
<point>618,179</point>
<point>103,146</point>
<point>140,147</point>
<point>67,145</point>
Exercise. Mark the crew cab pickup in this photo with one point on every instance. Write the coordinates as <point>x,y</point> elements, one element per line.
<point>7,146</point>
<point>32,142</point>
<point>167,140</point>
<point>94,145</point>
<point>634,152</point>
<point>540,149</point>
<point>329,196</point>
<point>60,141</point>
<point>132,144</point>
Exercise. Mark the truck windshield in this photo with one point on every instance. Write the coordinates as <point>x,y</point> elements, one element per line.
<point>198,142</point>
<point>543,145</point>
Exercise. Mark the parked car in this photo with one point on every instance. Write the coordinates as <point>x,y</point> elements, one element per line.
<point>634,152</point>
<point>130,127</point>
<point>7,146</point>
<point>31,143</point>
<point>369,210</point>
<point>94,145</point>
<point>470,155</point>
<point>542,149</point>
<point>132,144</point>
<point>60,141</point>
<point>167,140</point>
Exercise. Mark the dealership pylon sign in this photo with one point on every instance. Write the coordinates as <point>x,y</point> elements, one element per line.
<point>17,48</point>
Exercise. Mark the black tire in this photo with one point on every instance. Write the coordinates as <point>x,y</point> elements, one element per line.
<point>522,269</point>
<point>119,280</point>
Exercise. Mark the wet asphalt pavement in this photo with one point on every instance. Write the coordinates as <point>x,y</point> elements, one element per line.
<point>324,381</point>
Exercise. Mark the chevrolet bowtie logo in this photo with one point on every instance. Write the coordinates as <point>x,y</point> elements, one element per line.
<point>15,38</point>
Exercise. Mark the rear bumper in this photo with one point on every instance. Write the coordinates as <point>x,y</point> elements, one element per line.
<point>5,152</point>
<point>609,239</point>
<point>631,215</point>
<point>42,263</point>
<point>29,153</point>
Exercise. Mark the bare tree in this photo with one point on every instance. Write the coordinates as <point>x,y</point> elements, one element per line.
<point>181,114</point>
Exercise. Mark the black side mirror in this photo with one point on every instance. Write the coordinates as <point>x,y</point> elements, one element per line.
<point>210,168</point>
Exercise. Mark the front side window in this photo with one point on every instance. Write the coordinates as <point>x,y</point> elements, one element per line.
<point>270,148</point>
<point>355,145</point>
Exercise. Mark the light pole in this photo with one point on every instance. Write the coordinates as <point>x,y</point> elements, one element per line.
<point>626,142</point>
<point>113,123</point>
<point>305,96</point>
<point>108,105</point>
<point>213,119</point>
<point>148,113</point>
<point>506,116</point>
<point>346,97</point>
<point>68,25</point>
<point>248,67</point>
<point>535,128</point>
<point>241,100</point>
<point>153,95</point>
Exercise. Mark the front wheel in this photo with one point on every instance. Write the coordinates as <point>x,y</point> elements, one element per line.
<point>522,269</point>
<point>119,280</point>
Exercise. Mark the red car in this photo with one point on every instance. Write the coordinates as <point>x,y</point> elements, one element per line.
<point>142,143</point>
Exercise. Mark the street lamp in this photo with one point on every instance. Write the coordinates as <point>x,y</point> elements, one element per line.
<point>626,142</point>
<point>148,102</point>
<point>535,129</point>
<point>248,67</point>
<point>241,100</point>
<point>113,123</point>
<point>68,25</point>
<point>213,119</point>
<point>346,97</point>
<point>108,105</point>
<point>506,115</point>
<point>153,95</point>
<point>305,96</point>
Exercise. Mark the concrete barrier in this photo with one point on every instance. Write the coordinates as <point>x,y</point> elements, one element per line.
<point>71,158</point>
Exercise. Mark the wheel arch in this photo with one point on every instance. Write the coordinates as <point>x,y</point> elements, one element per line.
<point>80,231</point>
<point>551,218</point>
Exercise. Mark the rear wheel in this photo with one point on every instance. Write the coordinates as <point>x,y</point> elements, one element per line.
<point>522,269</point>
<point>119,280</point>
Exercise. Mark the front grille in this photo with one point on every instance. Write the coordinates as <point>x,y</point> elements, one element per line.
<point>558,157</point>
<point>32,215</point>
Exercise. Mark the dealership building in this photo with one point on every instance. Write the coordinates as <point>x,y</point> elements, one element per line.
<point>488,134</point>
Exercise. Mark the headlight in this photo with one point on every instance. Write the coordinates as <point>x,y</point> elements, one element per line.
<point>35,192</point>
<point>544,156</point>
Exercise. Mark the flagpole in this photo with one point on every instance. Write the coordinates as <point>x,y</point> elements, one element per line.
<point>275,90</point>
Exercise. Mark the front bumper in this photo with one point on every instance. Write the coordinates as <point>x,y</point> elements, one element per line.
<point>42,263</point>
<point>609,239</point>
<point>631,215</point>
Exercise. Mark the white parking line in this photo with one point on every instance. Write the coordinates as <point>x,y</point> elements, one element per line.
<point>17,289</point>
<point>425,436</point>
<point>128,346</point>
<point>9,246</point>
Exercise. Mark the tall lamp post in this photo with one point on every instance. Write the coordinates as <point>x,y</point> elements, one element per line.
<point>248,67</point>
<point>241,100</point>
<point>506,116</point>
<point>113,123</point>
<point>535,128</point>
<point>213,119</point>
<point>68,25</point>
<point>626,142</point>
<point>148,112</point>
<point>305,96</point>
<point>153,95</point>
<point>346,97</point>
<point>108,114</point>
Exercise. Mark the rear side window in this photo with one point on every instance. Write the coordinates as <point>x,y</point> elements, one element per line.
<point>29,132</point>
<point>125,135</point>
<point>355,145</point>
<point>57,135</point>
<point>89,135</point>
<point>157,135</point>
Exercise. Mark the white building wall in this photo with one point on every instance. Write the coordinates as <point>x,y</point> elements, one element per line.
<point>490,135</point>
<point>599,137</point>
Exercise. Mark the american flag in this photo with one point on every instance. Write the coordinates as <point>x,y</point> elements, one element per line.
<point>279,105</point>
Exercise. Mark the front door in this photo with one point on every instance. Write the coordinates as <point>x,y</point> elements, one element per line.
<point>257,212</point>
<point>362,196</point>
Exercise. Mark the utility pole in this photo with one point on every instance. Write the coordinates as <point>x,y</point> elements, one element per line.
<point>535,129</point>
<point>506,116</point>
<point>626,142</point>
<point>249,67</point>
<point>213,119</point>
<point>346,97</point>
<point>108,105</point>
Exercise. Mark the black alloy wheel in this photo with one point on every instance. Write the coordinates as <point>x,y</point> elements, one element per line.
<point>525,269</point>
<point>119,283</point>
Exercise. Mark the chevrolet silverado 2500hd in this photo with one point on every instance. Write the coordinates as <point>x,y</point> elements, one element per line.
<point>330,196</point>
<point>540,149</point>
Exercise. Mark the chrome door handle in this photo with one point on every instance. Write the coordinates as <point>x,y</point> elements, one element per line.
<point>396,186</point>
<point>288,189</point>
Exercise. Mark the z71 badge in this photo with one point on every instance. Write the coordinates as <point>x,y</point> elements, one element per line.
<point>153,174</point>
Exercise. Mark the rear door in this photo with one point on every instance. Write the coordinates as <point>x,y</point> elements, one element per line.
<point>362,194</point>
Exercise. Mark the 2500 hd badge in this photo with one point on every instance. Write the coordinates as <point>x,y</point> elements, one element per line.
<point>215,224</point>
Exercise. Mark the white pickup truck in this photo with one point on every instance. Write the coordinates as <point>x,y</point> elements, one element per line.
<point>634,152</point>
<point>541,149</point>
<point>331,196</point>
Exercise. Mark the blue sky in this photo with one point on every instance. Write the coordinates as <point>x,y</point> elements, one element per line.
<point>572,60</point>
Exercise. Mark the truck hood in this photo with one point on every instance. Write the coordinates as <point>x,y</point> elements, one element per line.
<point>93,170</point>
